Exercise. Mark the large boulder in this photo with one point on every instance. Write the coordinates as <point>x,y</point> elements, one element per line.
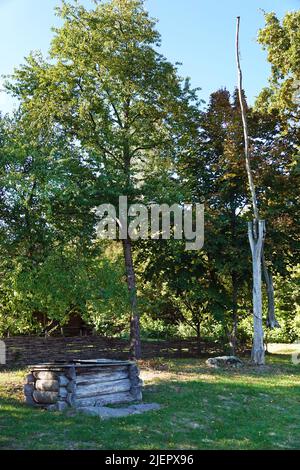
<point>224,361</point>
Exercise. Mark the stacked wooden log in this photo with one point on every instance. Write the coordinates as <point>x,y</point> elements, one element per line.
<point>50,386</point>
<point>85,383</point>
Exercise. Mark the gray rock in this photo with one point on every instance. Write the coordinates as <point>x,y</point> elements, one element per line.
<point>224,361</point>
<point>105,412</point>
<point>144,407</point>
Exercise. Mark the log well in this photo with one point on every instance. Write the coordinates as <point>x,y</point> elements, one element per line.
<point>77,384</point>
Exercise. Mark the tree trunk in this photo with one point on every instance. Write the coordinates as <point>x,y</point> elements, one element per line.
<point>245,126</point>
<point>198,330</point>
<point>256,232</point>
<point>271,318</point>
<point>135,338</point>
<point>256,229</point>
<point>233,336</point>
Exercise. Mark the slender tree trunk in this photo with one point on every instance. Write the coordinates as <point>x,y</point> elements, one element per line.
<point>233,338</point>
<point>256,239</point>
<point>198,330</point>
<point>135,339</point>
<point>135,336</point>
<point>271,318</point>
<point>234,284</point>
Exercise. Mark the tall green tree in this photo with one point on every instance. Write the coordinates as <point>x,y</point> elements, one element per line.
<point>281,40</point>
<point>190,289</point>
<point>50,265</point>
<point>214,173</point>
<point>108,90</point>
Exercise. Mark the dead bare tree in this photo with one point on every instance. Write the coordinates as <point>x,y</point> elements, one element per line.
<point>256,228</point>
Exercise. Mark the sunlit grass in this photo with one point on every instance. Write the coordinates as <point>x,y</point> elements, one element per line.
<point>202,408</point>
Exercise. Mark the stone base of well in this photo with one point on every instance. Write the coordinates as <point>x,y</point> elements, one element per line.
<point>58,386</point>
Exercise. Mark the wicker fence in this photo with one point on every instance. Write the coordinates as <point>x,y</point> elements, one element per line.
<point>25,350</point>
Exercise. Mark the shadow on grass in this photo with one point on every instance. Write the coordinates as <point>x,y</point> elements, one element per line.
<point>195,414</point>
<point>276,364</point>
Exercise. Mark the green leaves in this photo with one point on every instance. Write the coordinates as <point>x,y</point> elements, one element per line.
<point>282,42</point>
<point>107,87</point>
<point>106,115</point>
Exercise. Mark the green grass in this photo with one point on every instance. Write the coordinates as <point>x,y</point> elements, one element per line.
<point>252,408</point>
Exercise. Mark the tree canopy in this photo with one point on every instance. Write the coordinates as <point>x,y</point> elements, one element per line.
<point>107,115</point>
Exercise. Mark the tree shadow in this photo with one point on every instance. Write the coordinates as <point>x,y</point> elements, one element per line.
<point>277,364</point>
<point>209,411</point>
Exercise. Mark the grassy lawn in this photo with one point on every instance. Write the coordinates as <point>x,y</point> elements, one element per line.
<point>201,409</point>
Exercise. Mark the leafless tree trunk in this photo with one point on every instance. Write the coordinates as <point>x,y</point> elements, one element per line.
<point>256,229</point>
<point>256,239</point>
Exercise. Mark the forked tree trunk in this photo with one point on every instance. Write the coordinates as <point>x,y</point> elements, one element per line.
<point>256,229</point>
<point>256,238</point>
<point>135,340</point>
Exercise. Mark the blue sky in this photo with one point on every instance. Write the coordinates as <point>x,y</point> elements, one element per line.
<point>198,33</point>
